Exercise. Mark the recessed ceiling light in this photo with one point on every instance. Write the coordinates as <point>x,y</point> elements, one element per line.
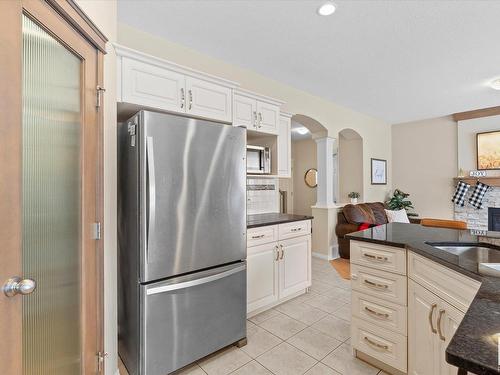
<point>327,9</point>
<point>302,130</point>
<point>495,84</point>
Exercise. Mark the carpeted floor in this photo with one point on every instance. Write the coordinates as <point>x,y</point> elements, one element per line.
<point>343,267</point>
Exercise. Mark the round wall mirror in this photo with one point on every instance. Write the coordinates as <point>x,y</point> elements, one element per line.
<point>311,177</point>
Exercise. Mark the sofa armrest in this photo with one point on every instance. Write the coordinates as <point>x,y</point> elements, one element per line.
<point>342,229</point>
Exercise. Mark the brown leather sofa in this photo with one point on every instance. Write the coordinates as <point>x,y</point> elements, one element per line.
<point>351,216</point>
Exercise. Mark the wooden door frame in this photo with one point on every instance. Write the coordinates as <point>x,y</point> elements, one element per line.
<point>11,167</point>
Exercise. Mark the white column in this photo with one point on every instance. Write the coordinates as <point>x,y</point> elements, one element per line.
<point>324,193</point>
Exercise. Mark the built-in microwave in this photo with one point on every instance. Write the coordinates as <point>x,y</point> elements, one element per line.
<point>258,160</point>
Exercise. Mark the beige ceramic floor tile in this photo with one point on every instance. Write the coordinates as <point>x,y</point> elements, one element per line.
<point>326,303</point>
<point>225,361</point>
<point>302,312</point>
<point>252,368</point>
<point>344,312</point>
<point>334,327</point>
<point>314,343</point>
<point>342,360</point>
<point>321,369</point>
<point>259,318</point>
<point>286,360</point>
<point>283,326</point>
<point>259,341</point>
<point>320,287</point>
<point>193,369</point>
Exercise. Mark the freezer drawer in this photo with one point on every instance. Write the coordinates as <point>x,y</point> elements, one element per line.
<point>192,316</point>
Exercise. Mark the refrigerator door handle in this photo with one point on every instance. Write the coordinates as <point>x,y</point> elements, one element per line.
<point>151,192</point>
<point>192,283</point>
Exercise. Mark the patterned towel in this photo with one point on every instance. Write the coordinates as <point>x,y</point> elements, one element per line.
<point>476,198</point>
<point>460,193</point>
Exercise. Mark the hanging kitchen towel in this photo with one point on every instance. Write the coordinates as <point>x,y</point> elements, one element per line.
<point>460,193</point>
<point>476,198</point>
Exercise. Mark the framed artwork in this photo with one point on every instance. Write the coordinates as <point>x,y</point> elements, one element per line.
<point>488,150</point>
<point>379,171</point>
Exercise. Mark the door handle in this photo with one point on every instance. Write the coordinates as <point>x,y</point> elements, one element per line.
<point>183,98</point>
<point>431,312</point>
<point>16,285</point>
<point>151,191</point>
<point>255,119</point>
<point>277,253</point>
<point>260,120</point>
<point>440,316</point>
<point>282,252</point>
<point>190,99</point>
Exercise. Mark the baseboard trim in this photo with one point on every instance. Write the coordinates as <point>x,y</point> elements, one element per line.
<point>320,256</point>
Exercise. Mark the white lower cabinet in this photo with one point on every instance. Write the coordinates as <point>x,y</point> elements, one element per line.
<point>431,325</point>
<point>279,269</point>
<point>262,275</point>
<point>294,267</point>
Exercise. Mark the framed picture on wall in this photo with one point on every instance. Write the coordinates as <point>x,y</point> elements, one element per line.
<point>488,150</point>
<point>379,171</point>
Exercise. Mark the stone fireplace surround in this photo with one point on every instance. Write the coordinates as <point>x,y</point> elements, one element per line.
<point>478,218</point>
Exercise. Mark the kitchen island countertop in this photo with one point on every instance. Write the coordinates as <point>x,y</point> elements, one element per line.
<point>474,347</point>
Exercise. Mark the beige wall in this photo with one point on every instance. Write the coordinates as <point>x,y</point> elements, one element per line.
<point>304,157</point>
<point>376,134</point>
<point>104,15</point>
<point>424,162</point>
<point>350,168</point>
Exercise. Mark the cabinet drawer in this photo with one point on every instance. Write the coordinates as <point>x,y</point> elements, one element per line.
<point>294,229</point>
<point>456,289</point>
<point>261,235</point>
<point>380,284</point>
<point>387,258</point>
<point>379,312</point>
<point>384,345</point>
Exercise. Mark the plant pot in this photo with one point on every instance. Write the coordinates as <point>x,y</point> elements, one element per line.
<point>354,200</point>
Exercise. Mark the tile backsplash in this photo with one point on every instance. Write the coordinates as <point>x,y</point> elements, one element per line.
<point>262,195</point>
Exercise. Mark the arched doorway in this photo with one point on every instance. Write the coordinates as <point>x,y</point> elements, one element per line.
<point>350,164</point>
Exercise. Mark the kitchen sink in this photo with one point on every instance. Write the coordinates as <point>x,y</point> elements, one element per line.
<point>486,256</point>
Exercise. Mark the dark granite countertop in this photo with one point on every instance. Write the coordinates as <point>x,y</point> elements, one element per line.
<point>261,220</point>
<point>474,347</point>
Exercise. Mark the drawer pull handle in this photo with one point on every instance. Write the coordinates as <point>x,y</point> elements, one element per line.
<point>296,229</point>
<point>376,344</point>
<point>377,314</point>
<point>440,316</point>
<point>376,285</point>
<point>376,257</point>
<point>277,253</point>
<point>431,312</point>
<point>257,237</point>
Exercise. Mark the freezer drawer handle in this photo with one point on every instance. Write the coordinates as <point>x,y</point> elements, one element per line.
<point>191,283</point>
<point>151,190</point>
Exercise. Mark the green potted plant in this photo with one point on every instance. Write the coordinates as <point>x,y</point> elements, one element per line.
<point>354,197</point>
<point>400,201</point>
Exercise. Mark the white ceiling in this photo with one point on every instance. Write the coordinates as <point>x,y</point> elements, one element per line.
<point>395,60</point>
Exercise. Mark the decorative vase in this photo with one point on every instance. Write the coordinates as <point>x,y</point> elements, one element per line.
<point>354,200</point>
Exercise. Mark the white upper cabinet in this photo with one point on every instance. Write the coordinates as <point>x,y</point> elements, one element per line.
<point>206,99</point>
<point>256,112</point>
<point>268,117</point>
<point>245,111</point>
<point>152,86</point>
<point>148,81</point>
<point>284,146</point>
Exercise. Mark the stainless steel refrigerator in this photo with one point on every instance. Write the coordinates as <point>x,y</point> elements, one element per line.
<point>181,240</point>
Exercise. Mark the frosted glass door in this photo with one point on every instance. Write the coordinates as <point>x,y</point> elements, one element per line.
<point>51,203</point>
